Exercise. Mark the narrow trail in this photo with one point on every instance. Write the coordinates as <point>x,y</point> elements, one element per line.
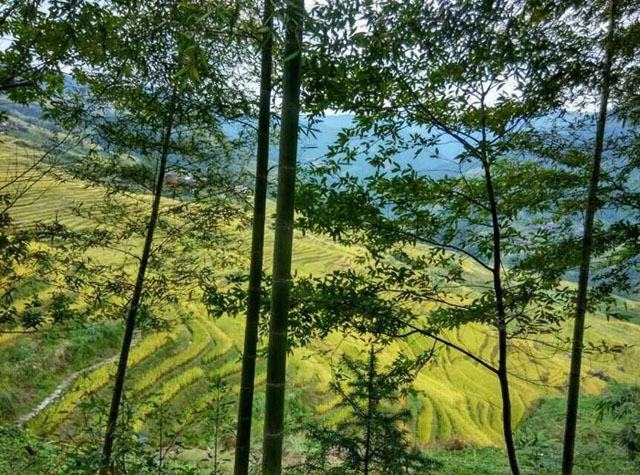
<point>57,393</point>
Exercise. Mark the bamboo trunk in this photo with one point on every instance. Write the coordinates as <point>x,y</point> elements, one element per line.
<point>245,403</point>
<point>585,257</point>
<point>277,350</point>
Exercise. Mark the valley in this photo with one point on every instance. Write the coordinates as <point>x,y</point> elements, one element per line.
<point>170,371</point>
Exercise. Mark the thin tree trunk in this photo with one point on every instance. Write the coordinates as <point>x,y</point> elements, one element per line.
<point>245,404</point>
<point>370,403</point>
<point>502,372</point>
<point>160,444</point>
<point>585,257</point>
<point>215,438</point>
<point>507,429</point>
<point>135,301</point>
<point>502,320</point>
<point>282,250</point>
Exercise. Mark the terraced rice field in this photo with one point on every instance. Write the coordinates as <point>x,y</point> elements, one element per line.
<point>456,397</point>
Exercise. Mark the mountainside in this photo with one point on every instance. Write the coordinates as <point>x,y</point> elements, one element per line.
<point>27,122</point>
<point>454,399</point>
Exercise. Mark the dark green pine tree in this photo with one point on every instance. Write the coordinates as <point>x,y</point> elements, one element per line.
<point>373,438</point>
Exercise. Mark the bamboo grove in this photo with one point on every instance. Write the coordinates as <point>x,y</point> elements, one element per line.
<point>322,237</point>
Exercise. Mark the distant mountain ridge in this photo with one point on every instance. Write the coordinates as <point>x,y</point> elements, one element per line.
<point>313,147</point>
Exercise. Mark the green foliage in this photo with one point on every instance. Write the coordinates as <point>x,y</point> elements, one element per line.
<point>371,438</point>
<point>490,208</point>
<point>623,403</point>
<point>566,145</point>
<point>597,452</point>
<point>19,451</point>
<point>159,93</point>
<point>455,255</point>
<point>42,39</point>
<point>540,443</point>
<point>476,74</point>
<point>218,422</point>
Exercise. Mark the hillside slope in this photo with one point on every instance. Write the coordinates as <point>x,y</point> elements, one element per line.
<point>455,398</point>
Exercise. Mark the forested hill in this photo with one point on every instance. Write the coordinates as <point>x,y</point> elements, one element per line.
<point>317,139</point>
<point>26,124</point>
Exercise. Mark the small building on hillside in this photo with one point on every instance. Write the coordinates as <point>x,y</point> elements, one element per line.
<point>173,178</point>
